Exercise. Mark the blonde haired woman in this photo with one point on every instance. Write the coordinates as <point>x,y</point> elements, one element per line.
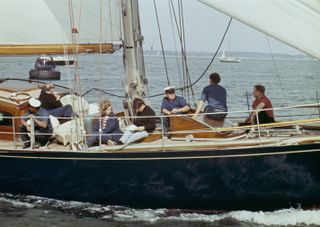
<point>109,125</point>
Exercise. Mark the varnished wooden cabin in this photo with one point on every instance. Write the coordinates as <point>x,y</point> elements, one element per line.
<point>14,96</point>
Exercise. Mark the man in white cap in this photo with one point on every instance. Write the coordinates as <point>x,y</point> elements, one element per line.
<point>42,126</point>
<point>172,105</point>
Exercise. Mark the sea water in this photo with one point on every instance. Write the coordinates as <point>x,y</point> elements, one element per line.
<point>288,82</point>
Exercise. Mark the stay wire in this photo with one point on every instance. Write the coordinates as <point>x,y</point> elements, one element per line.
<point>194,82</point>
<point>208,66</point>
<point>161,42</point>
<point>185,52</point>
<point>180,27</point>
<point>175,47</point>
<point>277,73</point>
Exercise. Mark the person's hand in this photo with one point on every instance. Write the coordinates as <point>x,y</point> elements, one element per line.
<point>28,128</point>
<point>195,116</point>
<point>140,128</point>
<point>174,110</point>
<point>57,96</point>
<point>31,116</point>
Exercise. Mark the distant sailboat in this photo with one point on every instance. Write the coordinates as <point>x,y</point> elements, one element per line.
<point>228,59</point>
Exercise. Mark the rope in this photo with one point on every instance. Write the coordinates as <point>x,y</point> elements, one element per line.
<point>161,42</point>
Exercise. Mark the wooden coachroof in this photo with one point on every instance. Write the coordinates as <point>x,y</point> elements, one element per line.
<point>14,96</point>
<point>55,48</point>
<point>183,126</point>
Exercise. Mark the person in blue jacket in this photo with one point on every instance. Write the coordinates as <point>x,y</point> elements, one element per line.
<point>109,125</point>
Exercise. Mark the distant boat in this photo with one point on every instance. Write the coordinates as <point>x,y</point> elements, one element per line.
<point>44,69</point>
<point>63,60</point>
<point>225,58</point>
<point>228,59</point>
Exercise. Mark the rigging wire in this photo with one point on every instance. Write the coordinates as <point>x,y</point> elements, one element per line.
<point>175,47</point>
<point>75,41</point>
<point>180,32</point>
<point>194,82</point>
<point>178,26</point>
<point>185,52</point>
<point>181,35</point>
<point>277,73</point>
<point>210,63</point>
<point>100,69</point>
<point>161,42</point>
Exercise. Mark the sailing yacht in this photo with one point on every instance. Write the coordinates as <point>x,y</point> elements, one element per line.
<point>204,165</point>
<point>228,59</point>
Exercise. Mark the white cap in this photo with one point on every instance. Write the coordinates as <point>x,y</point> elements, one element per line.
<point>169,88</point>
<point>34,103</point>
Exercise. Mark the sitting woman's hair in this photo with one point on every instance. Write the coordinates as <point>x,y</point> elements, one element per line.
<point>104,105</point>
<point>215,78</point>
<point>137,103</point>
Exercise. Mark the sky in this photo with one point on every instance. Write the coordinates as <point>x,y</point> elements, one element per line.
<point>204,29</point>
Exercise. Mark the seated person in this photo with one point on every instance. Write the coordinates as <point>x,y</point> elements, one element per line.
<point>172,104</point>
<point>51,102</point>
<point>141,126</point>
<point>260,103</point>
<point>109,125</point>
<point>42,126</point>
<point>216,97</point>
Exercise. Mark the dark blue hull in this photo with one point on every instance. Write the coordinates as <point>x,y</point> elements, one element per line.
<point>251,179</point>
<point>42,74</point>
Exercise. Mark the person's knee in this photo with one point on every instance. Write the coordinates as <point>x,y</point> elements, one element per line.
<point>68,107</point>
<point>68,110</point>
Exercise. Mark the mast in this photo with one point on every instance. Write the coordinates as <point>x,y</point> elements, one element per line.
<point>136,83</point>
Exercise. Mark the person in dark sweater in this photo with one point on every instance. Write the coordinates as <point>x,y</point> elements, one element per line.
<point>144,124</point>
<point>51,102</point>
<point>109,125</point>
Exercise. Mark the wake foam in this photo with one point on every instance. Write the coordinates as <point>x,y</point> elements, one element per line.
<point>282,217</point>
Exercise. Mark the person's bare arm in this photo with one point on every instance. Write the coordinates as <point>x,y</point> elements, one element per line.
<point>141,128</point>
<point>184,109</point>
<point>41,124</point>
<point>256,111</point>
<point>199,107</point>
<point>165,111</point>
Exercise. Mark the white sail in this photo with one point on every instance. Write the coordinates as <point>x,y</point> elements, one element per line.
<point>48,21</point>
<point>294,22</point>
<point>29,22</point>
<point>92,18</point>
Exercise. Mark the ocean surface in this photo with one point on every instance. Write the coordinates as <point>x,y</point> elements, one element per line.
<point>288,82</point>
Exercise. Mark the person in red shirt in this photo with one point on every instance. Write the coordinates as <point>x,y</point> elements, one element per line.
<point>262,105</point>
